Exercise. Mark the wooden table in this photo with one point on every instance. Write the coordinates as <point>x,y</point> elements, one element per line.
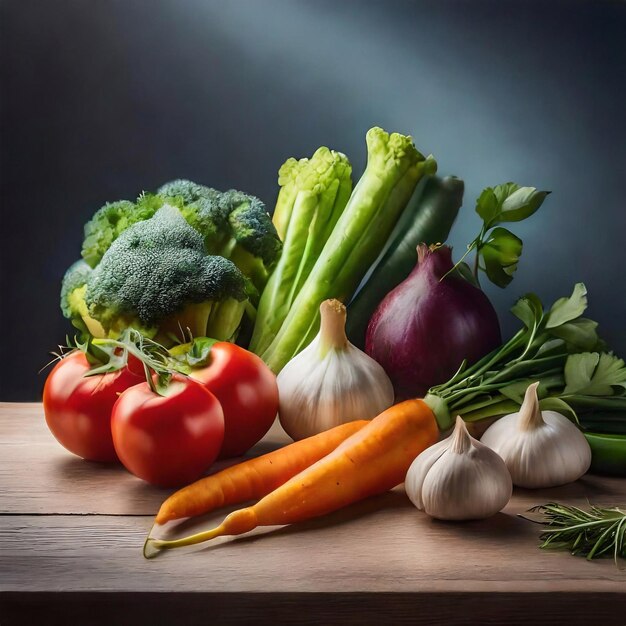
<point>71,534</point>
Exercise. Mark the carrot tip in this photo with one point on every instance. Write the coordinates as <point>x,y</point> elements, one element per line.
<point>151,548</point>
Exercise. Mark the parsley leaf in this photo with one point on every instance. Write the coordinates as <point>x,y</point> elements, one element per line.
<point>594,374</point>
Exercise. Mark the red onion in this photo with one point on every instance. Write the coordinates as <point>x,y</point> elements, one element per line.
<point>424,328</point>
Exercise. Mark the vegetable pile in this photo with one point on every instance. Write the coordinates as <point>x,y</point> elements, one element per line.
<point>201,318</point>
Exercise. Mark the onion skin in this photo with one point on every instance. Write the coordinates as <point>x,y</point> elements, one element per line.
<point>424,328</point>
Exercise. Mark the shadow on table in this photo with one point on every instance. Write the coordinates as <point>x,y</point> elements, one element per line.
<point>360,510</point>
<point>600,487</point>
<point>73,468</point>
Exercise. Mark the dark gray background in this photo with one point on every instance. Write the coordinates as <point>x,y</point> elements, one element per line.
<point>103,99</point>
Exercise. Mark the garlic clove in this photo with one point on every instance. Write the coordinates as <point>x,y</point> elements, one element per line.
<point>540,448</point>
<point>459,479</point>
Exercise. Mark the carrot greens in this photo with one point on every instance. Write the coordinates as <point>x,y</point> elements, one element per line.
<point>558,348</point>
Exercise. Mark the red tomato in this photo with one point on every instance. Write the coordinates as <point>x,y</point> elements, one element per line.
<point>247,391</point>
<point>78,407</point>
<point>168,440</point>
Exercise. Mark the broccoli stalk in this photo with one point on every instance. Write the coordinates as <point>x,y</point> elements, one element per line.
<point>394,168</point>
<point>314,193</point>
<point>219,320</point>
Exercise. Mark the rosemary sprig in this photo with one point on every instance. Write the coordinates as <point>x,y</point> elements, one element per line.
<point>593,533</point>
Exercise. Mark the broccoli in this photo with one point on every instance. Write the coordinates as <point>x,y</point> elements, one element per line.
<point>108,223</point>
<point>73,305</point>
<point>188,191</point>
<point>75,279</point>
<point>233,224</point>
<point>157,277</point>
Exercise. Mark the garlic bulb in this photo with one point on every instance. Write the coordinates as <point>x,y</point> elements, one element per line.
<point>540,448</point>
<point>331,381</point>
<point>459,479</point>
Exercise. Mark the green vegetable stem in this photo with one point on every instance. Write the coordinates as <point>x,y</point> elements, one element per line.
<point>314,193</point>
<point>393,170</point>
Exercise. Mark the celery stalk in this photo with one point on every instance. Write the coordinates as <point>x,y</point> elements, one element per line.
<point>393,170</point>
<point>313,195</point>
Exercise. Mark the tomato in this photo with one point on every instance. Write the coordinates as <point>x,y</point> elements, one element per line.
<point>168,440</point>
<point>78,408</point>
<point>247,391</point>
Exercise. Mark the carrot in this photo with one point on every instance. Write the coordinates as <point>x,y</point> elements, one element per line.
<point>255,478</point>
<point>371,461</point>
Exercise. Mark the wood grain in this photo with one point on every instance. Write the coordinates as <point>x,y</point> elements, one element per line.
<point>71,534</point>
<point>382,545</point>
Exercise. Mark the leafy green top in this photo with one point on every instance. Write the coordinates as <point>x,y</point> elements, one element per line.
<point>498,248</point>
<point>559,348</point>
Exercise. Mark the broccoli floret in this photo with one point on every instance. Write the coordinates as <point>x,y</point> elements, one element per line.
<point>188,191</point>
<point>197,203</point>
<point>73,305</point>
<point>158,273</point>
<point>75,278</point>
<point>233,224</point>
<point>110,221</point>
<point>107,224</point>
<point>251,225</point>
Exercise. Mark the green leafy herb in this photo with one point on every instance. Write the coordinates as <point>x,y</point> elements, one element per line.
<point>501,253</point>
<point>593,533</point>
<point>558,348</point>
<point>594,374</point>
<point>498,248</point>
